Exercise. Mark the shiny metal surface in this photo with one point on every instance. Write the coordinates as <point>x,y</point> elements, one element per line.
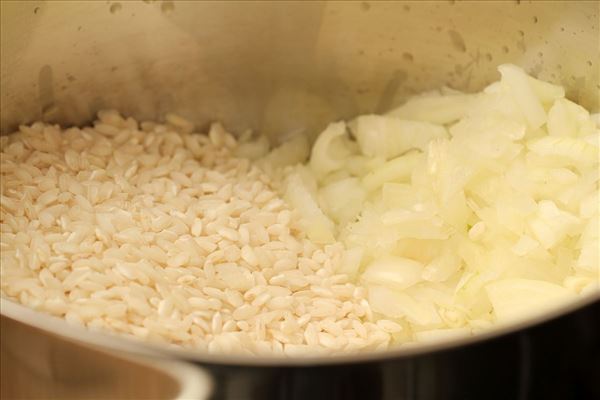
<point>119,344</point>
<point>557,359</point>
<point>276,67</point>
<point>38,365</point>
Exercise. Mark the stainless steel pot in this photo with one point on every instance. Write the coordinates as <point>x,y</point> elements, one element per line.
<point>278,67</point>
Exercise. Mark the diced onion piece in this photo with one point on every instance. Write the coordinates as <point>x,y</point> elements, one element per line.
<point>551,224</point>
<point>344,199</point>
<point>388,137</point>
<point>435,109</point>
<point>519,85</point>
<point>396,304</point>
<point>420,222</point>
<point>589,206</point>
<point>441,268</point>
<point>396,216</point>
<point>593,139</point>
<point>546,92</point>
<point>588,257</point>
<point>587,184</point>
<point>357,165</point>
<point>393,272</point>
<point>515,299</point>
<point>398,195</point>
<point>553,175</point>
<point>566,118</point>
<point>489,126</point>
<point>524,246</point>
<point>351,261</point>
<point>448,174</point>
<point>477,230</point>
<point>370,233</point>
<point>397,170</point>
<point>577,151</point>
<point>292,152</point>
<point>318,227</point>
<point>322,161</point>
<point>425,230</point>
<point>253,150</point>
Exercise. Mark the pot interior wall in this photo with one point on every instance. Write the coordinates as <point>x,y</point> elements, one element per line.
<point>278,67</point>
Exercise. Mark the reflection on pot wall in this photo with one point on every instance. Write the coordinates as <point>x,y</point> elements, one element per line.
<point>278,67</point>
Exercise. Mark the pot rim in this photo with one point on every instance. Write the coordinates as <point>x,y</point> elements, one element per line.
<point>113,342</point>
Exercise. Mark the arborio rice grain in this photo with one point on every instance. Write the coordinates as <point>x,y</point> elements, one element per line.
<point>152,231</point>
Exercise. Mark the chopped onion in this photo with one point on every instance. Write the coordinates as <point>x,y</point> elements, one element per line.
<point>351,262</point>
<point>519,85</point>
<point>389,137</point>
<point>255,149</point>
<point>343,199</point>
<point>566,118</point>
<point>397,170</point>
<point>292,152</point>
<point>460,210</point>
<point>395,304</point>
<point>322,160</point>
<point>316,224</point>
<point>578,152</point>
<point>551,224</point>
<point>435,109</point>
<point>393,272</point>
<point>515,299</point>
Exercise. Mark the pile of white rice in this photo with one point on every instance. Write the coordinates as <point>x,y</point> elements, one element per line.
<point>159,233</point>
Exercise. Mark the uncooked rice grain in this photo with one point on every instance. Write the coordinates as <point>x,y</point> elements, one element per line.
<point>155,232</point>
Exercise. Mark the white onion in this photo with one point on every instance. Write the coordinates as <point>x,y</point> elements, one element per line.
<point>515,298</point>
<point>435,109</point>
<point>322,161</point>
<point>393,272</point>
<point>389,137</point>
<point>459,211</point>
<point>293,151</point>
<point>519,85</point>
